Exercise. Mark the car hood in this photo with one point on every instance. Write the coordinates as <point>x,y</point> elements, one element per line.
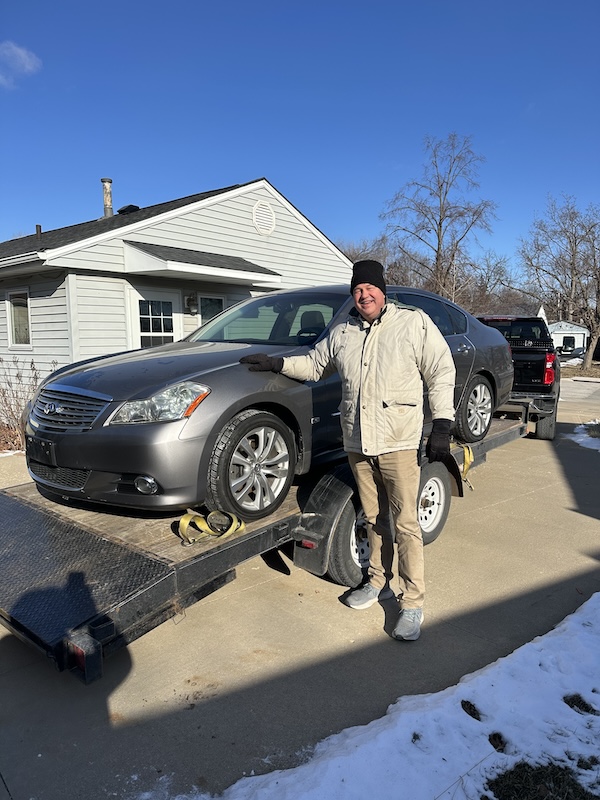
<point>138,374</point>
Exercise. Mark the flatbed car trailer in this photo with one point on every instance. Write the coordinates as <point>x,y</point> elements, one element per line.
<point>78,582</point>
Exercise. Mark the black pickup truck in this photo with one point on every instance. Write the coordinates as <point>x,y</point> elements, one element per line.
<point>537,368</point>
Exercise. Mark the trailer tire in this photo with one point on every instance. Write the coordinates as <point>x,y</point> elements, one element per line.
<point>545,427</point>
<point>474,414</point>
<point>349,551</point>
<point>252,465</point>
<point>435,496</point>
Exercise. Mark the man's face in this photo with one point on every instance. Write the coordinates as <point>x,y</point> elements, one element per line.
<point>368,300</point>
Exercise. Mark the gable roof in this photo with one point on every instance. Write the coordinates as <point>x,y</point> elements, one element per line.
<point>49,240</point>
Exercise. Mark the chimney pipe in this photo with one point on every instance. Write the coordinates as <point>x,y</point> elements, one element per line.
<point>38,232</point>
<point>108,207</point>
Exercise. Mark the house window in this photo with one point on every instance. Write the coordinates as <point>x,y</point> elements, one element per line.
<point>156,322</point>
<point>209,307</point>
<point>568,343</point>
<point>18,308</point>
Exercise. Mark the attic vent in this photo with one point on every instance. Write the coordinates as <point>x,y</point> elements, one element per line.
<point>127,209</point>
<point>263,217</point>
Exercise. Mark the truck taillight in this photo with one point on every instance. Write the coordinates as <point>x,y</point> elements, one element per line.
<point>549,374</point>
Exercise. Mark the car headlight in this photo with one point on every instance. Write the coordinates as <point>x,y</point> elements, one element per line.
<point>176,402</point>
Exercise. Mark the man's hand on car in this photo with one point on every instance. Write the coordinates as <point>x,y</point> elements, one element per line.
<point>261,362</point>
<point>438,444</point>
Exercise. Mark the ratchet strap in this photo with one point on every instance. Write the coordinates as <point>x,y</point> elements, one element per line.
<point>216,525</point>
<point>468,459</point>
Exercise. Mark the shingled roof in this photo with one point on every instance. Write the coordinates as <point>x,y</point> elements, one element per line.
<point>200,258</point>
<point>128,215</point>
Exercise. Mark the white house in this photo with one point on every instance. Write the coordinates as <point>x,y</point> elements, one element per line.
<point>145,276</point>
<point>568,335</point>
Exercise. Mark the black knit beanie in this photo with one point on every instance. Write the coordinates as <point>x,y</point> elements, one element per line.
<point>367,271</point>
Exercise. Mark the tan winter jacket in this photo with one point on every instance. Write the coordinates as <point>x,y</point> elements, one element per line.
<point>380,365</point>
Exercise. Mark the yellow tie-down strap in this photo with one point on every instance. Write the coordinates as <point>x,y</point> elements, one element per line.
<point>216,525</point>
<point>468,459</point>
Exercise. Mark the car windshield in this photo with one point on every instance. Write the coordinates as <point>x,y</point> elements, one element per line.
<point>290,319</point>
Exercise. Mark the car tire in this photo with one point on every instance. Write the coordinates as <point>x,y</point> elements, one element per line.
<point>474,413</point>
<point>252,465</point>
<point>545,427</point>
<point>435,496</point>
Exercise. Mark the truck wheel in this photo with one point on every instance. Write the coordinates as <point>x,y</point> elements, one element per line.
<point>545,427</point>
<point>252,465</point>
<point>474,414</point>
<point>435,495</point>
<point>349,551</point>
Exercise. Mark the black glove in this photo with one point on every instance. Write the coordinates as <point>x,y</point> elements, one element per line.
<point>261,362</point>
<point>438,444</point>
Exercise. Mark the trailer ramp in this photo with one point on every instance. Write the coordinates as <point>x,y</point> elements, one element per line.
<point>79,582</point>
<point>59,582</point>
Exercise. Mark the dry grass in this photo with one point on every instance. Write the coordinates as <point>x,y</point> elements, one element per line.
<point>567,371</point>
<point>548,782</point>
<point>10,438</point>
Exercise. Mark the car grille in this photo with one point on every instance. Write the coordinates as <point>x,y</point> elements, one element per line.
<point>56,411</point>
<point>60,476</point>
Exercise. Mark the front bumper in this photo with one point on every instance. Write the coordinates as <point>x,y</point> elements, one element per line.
<point>101,466</point>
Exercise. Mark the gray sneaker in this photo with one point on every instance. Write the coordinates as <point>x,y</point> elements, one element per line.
<point>408,626</point>
<point>367,595</point>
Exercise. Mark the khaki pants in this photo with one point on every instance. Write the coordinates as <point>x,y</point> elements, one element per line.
<point>389,483</point>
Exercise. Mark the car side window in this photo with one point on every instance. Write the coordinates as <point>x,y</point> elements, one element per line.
<point>435,309</point>
<point>459,320</point>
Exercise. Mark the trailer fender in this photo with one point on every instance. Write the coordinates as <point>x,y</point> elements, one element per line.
<point>320,517</point>
<point>456,474</point>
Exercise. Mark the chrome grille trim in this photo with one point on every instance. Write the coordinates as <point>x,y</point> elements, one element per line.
<point>73,412</point>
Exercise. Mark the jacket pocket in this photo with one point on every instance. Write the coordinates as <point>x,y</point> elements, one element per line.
<point>401,422</point>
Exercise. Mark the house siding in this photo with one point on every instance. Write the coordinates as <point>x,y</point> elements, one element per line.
<point>292,250</point>
<point>102,257</point>
<point>100,309</point>
<point>25,366</point>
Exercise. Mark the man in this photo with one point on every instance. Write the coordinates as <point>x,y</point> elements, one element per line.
<point>383,353</point>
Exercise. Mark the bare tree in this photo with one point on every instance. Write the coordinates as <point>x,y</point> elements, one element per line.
<point>562,258</point>
<point>432,219</point>
<point>590,311</point>
<point>364,248</point>
<point>491,289</point>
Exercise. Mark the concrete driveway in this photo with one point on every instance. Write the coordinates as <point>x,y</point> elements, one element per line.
<point>251,678</point>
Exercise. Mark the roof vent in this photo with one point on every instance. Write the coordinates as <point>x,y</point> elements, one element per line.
<point>263,217</point>
<point>127,209</point>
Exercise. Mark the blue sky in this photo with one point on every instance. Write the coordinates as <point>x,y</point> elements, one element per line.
<point>330,100</point>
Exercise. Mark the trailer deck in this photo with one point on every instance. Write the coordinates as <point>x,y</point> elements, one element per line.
<point>78,580</point>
